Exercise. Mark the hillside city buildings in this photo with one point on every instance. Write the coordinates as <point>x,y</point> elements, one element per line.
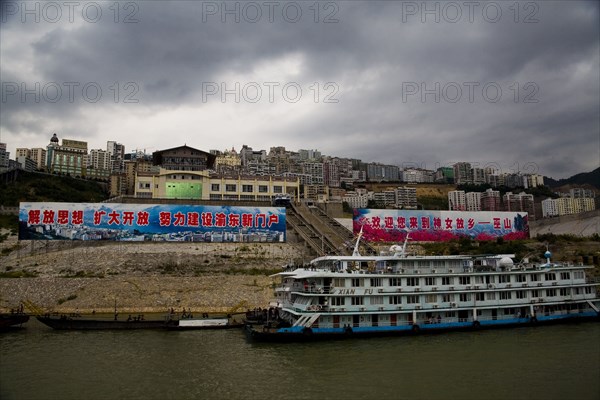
<point>184,172</point>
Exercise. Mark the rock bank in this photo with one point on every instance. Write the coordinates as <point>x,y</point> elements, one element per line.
<point>141,277</point>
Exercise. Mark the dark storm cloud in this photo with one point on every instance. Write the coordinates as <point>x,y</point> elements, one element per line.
<point>373,53</point>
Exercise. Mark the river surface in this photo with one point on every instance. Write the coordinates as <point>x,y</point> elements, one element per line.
<point>549,362</point>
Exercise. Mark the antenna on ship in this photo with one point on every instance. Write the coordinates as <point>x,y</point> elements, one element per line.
<point>355,252</point>
<point>400,251</point>
<point>547,254</point>
<point>405,244</point>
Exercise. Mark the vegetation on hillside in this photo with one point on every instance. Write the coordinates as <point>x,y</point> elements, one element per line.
<point>31,186</point>
<point>433,202</point>
<point>585,178</point>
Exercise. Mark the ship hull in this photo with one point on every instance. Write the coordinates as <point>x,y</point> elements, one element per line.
<point>301,334</point>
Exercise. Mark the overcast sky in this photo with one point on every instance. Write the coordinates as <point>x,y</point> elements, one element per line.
<point>504,84</point>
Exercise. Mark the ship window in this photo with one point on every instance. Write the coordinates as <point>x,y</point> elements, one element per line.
<point>423,263</point>
<point>535,293</point>
<point>505,295</point>
<point>521,294</point>
<point>550,292</point>
<point>480,296</point>
<point>479,279</point>
<point>565,276</point>
<point>490,296</point>
<point>564,292</point>
<point>578,274</point>
<point>338,301</point>
<point>357,301</point>
<point>447,298</point>
<point>446,280</point>
<point>465,297</point>
<point>464,280</point>
<point>356,282</point>
<point>504,278</point>
<point>376,282</point>
<point>395,300</point>
<point>550,276</point>
<point>438,263</point>
<point>588,290</point>
<point>376,300</point>
<point>412,281</point>
<point>339,282</point>
<point>412,299</point>
<point>431,298</point>
<point>395,282</point>
<point>521,278</point>
<point>429,281</point>
<point>534,277</point>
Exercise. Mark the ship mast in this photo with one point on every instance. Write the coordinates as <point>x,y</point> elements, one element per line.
<point>356,253</point>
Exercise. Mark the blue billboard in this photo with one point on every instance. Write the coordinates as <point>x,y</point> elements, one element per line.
<point>150,222</point>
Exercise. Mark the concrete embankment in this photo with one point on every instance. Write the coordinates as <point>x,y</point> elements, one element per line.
<point>584,224</point>
<point>141,277</point>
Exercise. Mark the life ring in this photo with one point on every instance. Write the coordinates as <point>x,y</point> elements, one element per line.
<point>476,324</point>
<point>415,328</point>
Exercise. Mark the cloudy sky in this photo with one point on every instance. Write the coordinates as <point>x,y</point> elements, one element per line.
<point>504,84</point>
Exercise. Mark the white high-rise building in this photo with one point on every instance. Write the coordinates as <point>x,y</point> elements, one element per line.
<point>473,200</point>
<point>99,159</point>
<point>457,200</point>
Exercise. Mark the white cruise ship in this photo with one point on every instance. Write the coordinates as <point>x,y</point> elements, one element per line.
<point>348,296</point>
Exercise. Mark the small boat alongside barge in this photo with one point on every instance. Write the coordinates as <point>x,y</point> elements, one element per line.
<point>189,322</point>
<point>338,297</point>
